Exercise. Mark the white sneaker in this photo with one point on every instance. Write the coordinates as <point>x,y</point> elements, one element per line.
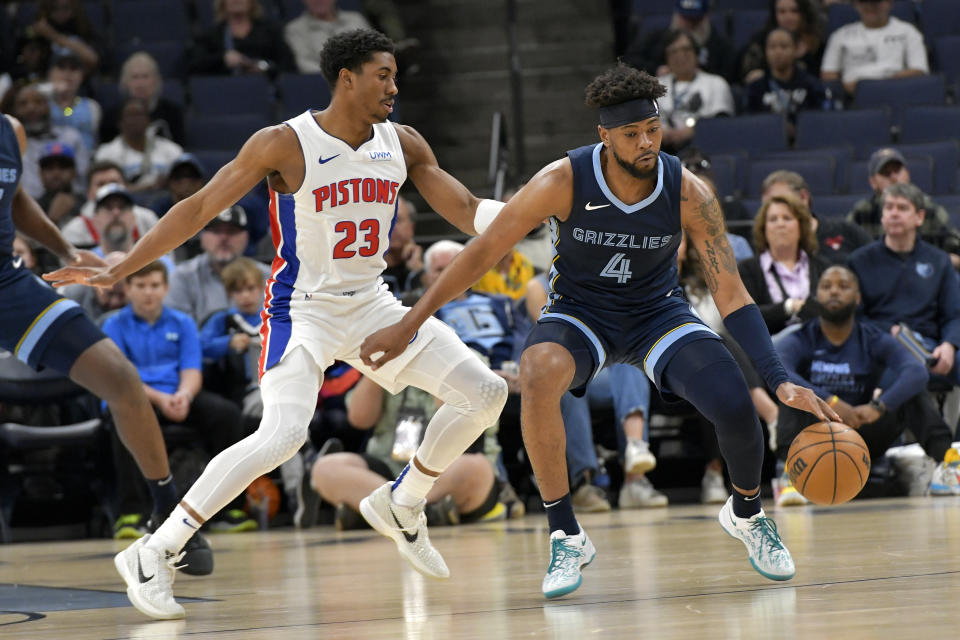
<point>640,494</point>
<point>638,458</point>
<point>712,488</point>
<point>149,577</point>
<point>407,526</point>
<point>768,555</point>
<point>568,555</point>
<point>945,480</point>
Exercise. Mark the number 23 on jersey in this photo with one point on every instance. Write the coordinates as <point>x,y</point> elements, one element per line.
<point>369,232</point>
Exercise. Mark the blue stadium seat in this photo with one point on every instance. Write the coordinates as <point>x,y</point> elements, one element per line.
<point>946,157</point>
<point>221,133</point>
<point>733,5</point>
<point>841,156</point>
<point>724,168</point>
<point>835,206</point>
<point>97,14</point>
<point>921,174</point>
<point>746,24</point>
<point>150,21</point>
<point>905,10</point>
<point>939,18</point>
<point>752,205</point>
<point>863,129</point>
<point>299,91</point>
<point>947,55</point>
<point>646,24</point>
<point>898,92</point>
<point>752,134</point>
<point>930,123</point>
<point>173,91</point>
<point>231,95</point>
<point>819,174</point>
<point>952,204</point>
<point>213,160</point>
<point>642,8</point>
<point>168,54</point>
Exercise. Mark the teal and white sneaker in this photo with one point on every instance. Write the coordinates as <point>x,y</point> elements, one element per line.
<point>568,554</point>
<point>759,533</point>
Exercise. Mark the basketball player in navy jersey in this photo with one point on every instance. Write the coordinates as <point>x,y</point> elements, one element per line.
<point>44,329</point>
<point>617,210</point>
<point>334,177</point>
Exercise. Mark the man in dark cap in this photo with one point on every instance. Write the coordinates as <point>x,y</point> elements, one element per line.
<point>58,170</point>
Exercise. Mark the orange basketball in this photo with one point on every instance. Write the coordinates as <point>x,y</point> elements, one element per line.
<point>263,493</point>
<point>828,462</point>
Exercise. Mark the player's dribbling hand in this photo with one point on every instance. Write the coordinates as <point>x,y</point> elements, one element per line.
<point>386,344</point>
<point>90,276</point>
<point>804,399</point>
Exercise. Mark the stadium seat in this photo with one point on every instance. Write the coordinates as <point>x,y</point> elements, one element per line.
<point>150,21</point>
<point>213,160</point>
<point>236,95</point>
<point>724,168</point>
<point>168,54</point>
<point>939,18</point>
<point>752,205</point>
<point>946,158</point>
<point>841,157</point>
<point>733,5</point>
<point>930,123</point>
<point>173,91</point>
<point>952,204</point>
<point>97,15</point>
<point>820,174</point>
<point>752,134</point>
<point>835,206</point>
<point>863,129</point>
<point>221,133</point>
<point>641,8</point>
<point>299,91</point>
<point>947,52</point>
<point>745,25</point>
<point>921,174</point>
<point>898,92</point>
<point>645,24</point>
<point>904,9</point>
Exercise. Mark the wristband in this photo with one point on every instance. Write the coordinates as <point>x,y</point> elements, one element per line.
<point>487,210</point>
<point>747,327</point>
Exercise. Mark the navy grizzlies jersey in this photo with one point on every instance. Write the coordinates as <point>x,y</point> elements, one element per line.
<point>614,255</point>
<point>10,169</point>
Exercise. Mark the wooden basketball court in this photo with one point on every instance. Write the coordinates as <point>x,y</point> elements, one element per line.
<point>870,569</point>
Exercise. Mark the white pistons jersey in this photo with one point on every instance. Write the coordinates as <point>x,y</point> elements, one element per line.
<point>332,233</point>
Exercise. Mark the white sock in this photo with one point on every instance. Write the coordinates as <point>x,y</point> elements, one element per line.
<point>412,487</point>
<point>174,532</point>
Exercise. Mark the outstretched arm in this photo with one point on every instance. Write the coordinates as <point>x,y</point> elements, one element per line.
<point>548,193</point>
<point>702,221</point>
<point>267,151</point>
<point>445,194</point>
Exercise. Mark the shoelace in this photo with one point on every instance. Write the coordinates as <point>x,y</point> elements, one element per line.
<point>768,533</point>
<point>560,553</point>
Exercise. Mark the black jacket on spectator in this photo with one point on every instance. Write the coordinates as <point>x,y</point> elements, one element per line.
<point>837,239</point>
<point>167,112</point>
<point>773,312</point>
<point>769,95</point>
<point>716,56</point>
<point>264,42</point>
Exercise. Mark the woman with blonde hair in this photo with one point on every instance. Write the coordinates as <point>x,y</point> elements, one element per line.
<point>782,278</point>
<point>140,78</point>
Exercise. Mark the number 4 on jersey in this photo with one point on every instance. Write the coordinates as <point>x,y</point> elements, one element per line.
<point>618,267</point>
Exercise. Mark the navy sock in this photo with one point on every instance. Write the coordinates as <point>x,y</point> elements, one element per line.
<point>744,507</point>
<point>164,494</point>
<point>560,516</point>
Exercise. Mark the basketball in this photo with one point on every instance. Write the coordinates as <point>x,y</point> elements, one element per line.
<point>828,462</point>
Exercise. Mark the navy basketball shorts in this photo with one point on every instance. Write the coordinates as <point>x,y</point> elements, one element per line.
<point>646,338</point>
<point>40,327</point>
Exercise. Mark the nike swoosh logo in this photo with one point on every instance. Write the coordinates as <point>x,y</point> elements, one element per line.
<point>188,524</point>
<point>410,538</point>
<point>322,161</point>
<point>143,579</point>
<point>591,207</point>
<point>17,262</point>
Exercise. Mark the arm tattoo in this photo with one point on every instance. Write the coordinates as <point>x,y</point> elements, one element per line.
<point>712,216</point>
<point>719,253</point>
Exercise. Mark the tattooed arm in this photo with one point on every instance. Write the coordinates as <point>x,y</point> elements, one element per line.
<point>702,221</point>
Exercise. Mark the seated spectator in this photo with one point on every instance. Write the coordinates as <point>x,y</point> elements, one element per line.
<point>164,346</point>
<point>231,339</point>
<point>842,359</point>
<point>140,78</point>
<point>508,278</point>
<point>799,17</point>
<point>81,231</point>
<point>404,257</point>
<point>691,94</point>
<point>115,224</point>
<point>320,20</point>
<point>784,87</point>
<point>835,238</point>
<point>468,491</point>
<point>66,28</point>
<point>58,172</point>
<point>196,287</point>
<point>782,279</point>
<point>888,166</point>
<point>242,41</point>
<point>715,54</point>
<point>879,46</point>
<point>67,108</point>
<point>186,177</point>
<point>32,61</point>
<point>32,109</point>
<point>143,156</point>
<point>907,282</point>
<point>99,303</point>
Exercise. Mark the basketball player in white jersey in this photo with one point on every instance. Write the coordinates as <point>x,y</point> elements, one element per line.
<point>334,179</point>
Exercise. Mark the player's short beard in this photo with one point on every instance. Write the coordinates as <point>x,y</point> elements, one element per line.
<point>838,315</point>
<point>632,169</point>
